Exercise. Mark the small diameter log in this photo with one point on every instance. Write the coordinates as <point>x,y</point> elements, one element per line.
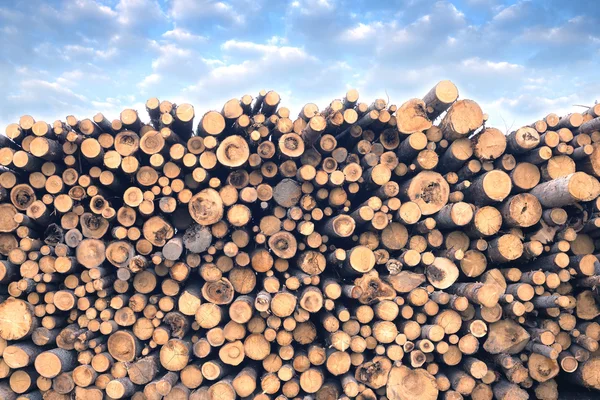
<point>522,140</point>
<point>504,249</point>
<point>490,187</point>
<point>439,98</point>
<point>313,130</point>
<point>486,295</point>
<point>456,155</point>
<point>454,215</point>
<point>340,226</point>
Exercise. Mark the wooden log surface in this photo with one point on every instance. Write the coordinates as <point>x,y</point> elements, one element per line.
<point>363,250</point>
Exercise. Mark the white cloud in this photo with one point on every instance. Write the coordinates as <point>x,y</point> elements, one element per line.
<point>477,64</point>
<point>93,7</point>
<point>75,77</point>
<point>182,35</point>
<point>277,40</point>
<point>171,56</point>
<point>138,12</point>
<point>279,67</point>
<point>200,9</point>
<point>83,53</point>
<point>312,7</point>
<point>361,32</point>
<point>149,80</point>
<point>52,88</point>
<point>285,52</point>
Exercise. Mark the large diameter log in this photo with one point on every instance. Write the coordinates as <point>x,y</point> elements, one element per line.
<point>567,190</point>
<point>542,368</point>
<point>486,221</point>
<point>124,346</point>
<point>287,193</point>
<point>212,124</point>
<point>506,336</point>
<point>91,253</point>
<point>7,213</point>
<point>489,144</point>
<point>442,273</point>
<point>174,355</point>
<point>17,319</point>
<point>51,363</point>
<point>412,117</point>
<point>233,151</point>
<point>505,390</point>
<point>20,355</point>
<point>144,370</point>
<point>429,190</point>
<point>406,384</point>
<point>486,295</point>
<point>522,210</point>
<point>588,373</point>
<point>462,119</point>
<point>406,281</point>
<point>197,238</point>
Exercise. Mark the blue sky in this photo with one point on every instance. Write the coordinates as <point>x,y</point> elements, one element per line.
<point>519,59</point>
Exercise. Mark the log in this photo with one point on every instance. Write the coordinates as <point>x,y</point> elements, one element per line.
<point>17,319</point>
<point>567,190</point>
<point>440,98</point>
<point>462,119</point>
<point>412,117</point>
<point>405,383</point>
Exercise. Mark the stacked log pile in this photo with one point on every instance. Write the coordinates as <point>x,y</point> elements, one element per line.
<point>366,250</point>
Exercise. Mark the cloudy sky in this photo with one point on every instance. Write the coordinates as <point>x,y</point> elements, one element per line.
<point>519,59</point>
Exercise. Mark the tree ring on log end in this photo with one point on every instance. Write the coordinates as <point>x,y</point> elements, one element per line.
<point>16,319</point>
<point>206,207</point>
<point>429,190</point>
<point>233,151</point>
